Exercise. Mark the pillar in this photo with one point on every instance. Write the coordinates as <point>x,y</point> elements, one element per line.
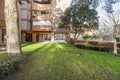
<point>40,37</point>
<point>34,37</point>
<point>23,37</point>
<point>52,37</point>
<point>115,47</point>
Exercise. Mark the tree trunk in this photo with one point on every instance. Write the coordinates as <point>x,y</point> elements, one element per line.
<point>12,30</point>
<point>115,40</point>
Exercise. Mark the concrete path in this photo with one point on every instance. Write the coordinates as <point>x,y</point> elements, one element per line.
<point>2,50</point>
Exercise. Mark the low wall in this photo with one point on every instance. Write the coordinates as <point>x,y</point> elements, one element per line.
<point>111,44</point>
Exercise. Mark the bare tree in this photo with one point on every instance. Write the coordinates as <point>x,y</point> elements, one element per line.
<point>109,22</point>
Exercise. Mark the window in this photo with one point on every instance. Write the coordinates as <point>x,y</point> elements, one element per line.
<point>47,36</point>
<point>24,14</point>
<point>59,36</point>
<point>29,25</point>
<point>29,6</point>
<point>29,15</point>
<point>23,24</point>
<point>24,4</point>
<point>56,25</point>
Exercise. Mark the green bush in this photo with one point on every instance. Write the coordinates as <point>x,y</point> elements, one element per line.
<point>94,47</point>
<point>86,36</point>
<point>118,45</point>
<point>10,65</point>
<point>118,39</point>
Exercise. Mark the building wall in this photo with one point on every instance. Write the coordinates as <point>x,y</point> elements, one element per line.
<point>2,21</point>
<point>2,16</point>
<point>47,22</point>
<point>36,33</point>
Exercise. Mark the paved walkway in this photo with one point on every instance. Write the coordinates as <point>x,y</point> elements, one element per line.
<point>2,50</point>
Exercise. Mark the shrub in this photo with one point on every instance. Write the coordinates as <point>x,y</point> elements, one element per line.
<point>118,39</point>
<point>10,65</point>
<point>86,36</point>
<point>94,47</point>
<point>118,45</point>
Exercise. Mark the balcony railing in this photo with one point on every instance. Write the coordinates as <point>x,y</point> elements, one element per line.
<point>43,1</point>
<point>41,7</point>
<point>41,28</point>
<point>60,30</point>
<point>41,17</point>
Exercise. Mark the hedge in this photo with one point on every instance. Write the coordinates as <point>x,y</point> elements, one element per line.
<point>118,45</point>
<point>10,65</point>
<point>94,47</point>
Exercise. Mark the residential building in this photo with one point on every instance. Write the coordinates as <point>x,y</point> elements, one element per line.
<point>43,18</point>
<point>38,21</point>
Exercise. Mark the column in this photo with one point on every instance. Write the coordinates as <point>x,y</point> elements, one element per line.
<point>52,37</point>
<point>115,47</point>
<point>34,37</point>
<point>23,37</point>
<point>40,37</point>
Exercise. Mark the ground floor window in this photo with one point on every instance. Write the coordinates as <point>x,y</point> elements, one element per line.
<point>59,37</point>
<point>47,36</point>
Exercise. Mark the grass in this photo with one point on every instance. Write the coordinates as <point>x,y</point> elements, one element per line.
<point>3,56</point>
<point>61,61</point>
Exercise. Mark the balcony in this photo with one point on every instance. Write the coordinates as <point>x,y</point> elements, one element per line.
<point>43,1</point>
<point>60,30</point>
<point>41,6</point>
<point>41,17</point>
<point>41,28</point>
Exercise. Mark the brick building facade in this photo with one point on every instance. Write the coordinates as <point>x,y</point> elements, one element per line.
<point>43,18</point>
<point>2,22</point>
<point>38,21</point>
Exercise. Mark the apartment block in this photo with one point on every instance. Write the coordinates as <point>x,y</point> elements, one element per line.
<point>43,18</point>
<point>38,21</point>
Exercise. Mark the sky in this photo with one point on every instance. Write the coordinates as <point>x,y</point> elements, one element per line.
<point>101,13</point>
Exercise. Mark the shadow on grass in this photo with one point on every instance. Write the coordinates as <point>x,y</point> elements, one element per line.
<point>51,64</point>
<point>28,53</point>
<point>26,44</point>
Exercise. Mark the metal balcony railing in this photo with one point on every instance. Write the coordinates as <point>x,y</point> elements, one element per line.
<point>43,1</point>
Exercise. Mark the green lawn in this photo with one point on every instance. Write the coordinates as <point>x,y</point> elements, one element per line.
<point>3,56</point>
<point>61,61</point>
